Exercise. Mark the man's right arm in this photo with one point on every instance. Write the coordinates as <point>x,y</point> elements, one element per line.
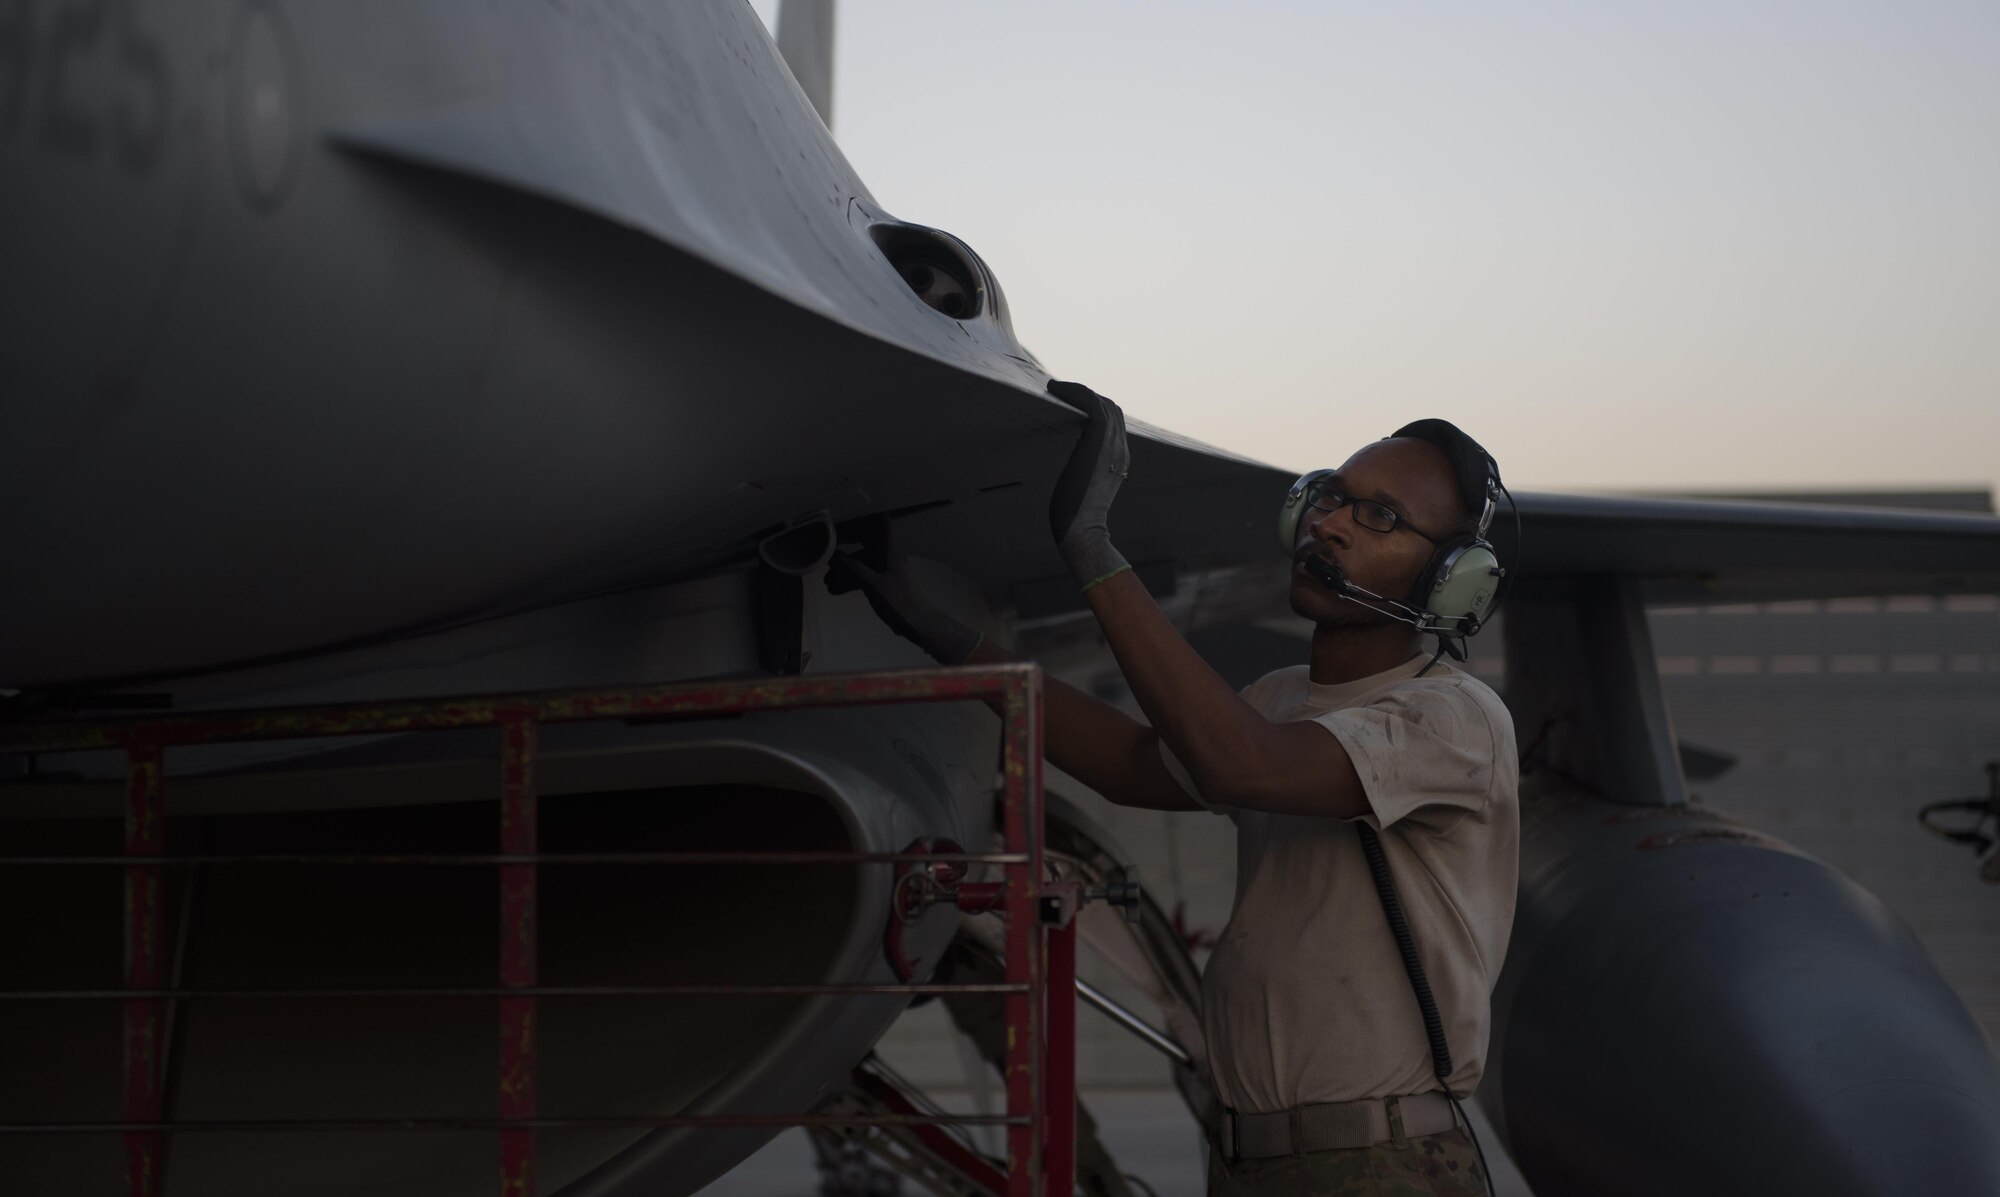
<point>1101,746</point>
<point>1094,742</point>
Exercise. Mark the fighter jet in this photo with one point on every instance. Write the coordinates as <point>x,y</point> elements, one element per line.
<point>387,349</point>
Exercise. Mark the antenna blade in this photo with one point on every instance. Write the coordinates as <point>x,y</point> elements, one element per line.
<point>805,38</point>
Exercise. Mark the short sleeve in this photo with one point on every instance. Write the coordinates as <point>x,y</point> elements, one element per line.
<point>1418,746</point>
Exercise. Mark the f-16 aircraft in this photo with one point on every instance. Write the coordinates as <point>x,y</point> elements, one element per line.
<point>361,351</point>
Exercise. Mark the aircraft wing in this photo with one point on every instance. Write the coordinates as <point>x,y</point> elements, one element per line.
<point>1200,517</point>
<point>1689,550</point>
<point>1198,527</point>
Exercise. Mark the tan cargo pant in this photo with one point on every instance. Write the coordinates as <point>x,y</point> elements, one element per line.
<point>1443,1165</point>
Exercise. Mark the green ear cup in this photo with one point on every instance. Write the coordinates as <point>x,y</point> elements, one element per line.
<point>1293,509</point>
<point>1467,582</point>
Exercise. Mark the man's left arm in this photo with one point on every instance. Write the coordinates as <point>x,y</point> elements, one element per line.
<point>1236,756</point>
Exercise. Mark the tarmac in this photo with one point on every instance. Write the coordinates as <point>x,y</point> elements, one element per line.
<point>1148,1131</point>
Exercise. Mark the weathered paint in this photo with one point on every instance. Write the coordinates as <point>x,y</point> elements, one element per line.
<point>145,836</point>
<point>884,687</point>
<point>1021,805</point>
<point>1059,1056</point>
<point>921,882</point>
<point>843,988</point>
<point>519,818</point>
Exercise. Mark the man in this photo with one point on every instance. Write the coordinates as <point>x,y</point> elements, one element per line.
<point>1318,1049</point>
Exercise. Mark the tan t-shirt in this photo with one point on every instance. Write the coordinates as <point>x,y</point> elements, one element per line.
<point>1305,999</point>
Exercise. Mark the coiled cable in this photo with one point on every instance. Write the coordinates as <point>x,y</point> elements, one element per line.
<point>1399,927</point>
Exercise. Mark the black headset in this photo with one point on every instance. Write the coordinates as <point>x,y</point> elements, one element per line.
<point>1461,585</point>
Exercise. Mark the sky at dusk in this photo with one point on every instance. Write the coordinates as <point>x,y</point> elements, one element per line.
<point>1697,246</point>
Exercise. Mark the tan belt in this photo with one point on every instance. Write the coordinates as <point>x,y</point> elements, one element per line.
<point>1333,1126</point>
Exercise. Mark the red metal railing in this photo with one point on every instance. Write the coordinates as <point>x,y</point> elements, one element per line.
<point>1040,941</point>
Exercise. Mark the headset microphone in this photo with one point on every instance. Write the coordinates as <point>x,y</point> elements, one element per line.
<point>1327,572</point>
<point>1330,575</point>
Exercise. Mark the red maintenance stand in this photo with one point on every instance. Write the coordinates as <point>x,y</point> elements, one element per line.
<point>1040,982</point>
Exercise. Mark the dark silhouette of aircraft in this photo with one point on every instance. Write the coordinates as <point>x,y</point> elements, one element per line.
<point>371,350</point>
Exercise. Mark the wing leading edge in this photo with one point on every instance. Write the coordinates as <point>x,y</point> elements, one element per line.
<point>1687,550</point>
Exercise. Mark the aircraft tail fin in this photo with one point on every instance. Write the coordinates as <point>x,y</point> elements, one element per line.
<point>805,38</point>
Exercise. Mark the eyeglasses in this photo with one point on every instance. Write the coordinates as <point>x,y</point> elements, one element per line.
<point>1376,517</point>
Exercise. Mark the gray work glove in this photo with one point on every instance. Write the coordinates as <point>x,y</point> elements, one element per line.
<point>908,614</point>
<point>1080,510</point>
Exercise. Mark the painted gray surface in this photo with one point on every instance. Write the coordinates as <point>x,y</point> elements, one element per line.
<point>1847,717</point>
<point>395,316</point>
<point>1585,692</point>
<point>554,302</point>
<point>1740,1017</point>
